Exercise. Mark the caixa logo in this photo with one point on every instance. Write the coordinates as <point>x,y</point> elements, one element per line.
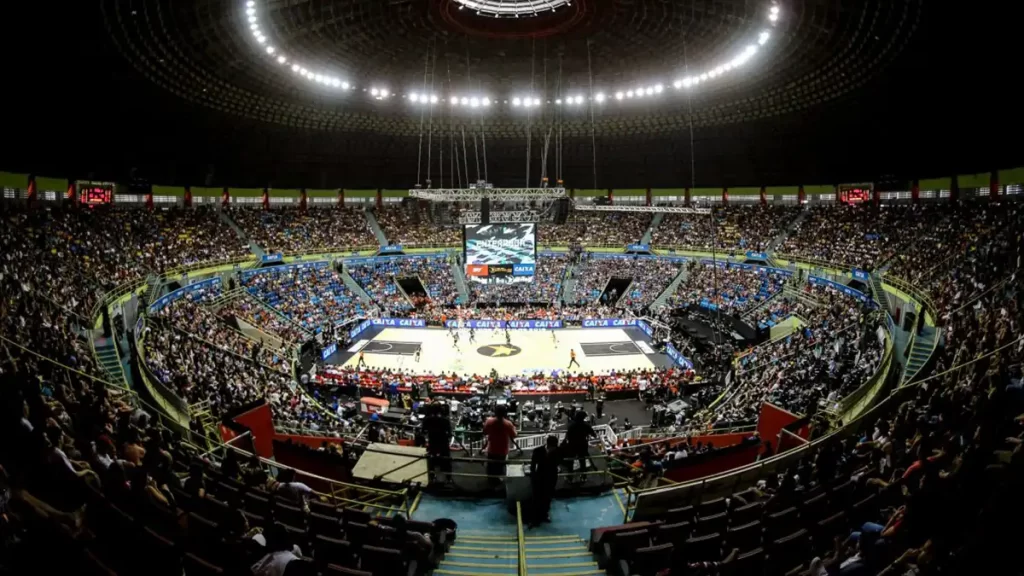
<point>594,323</point>
<point>410,323</point>
<point>623,322</point>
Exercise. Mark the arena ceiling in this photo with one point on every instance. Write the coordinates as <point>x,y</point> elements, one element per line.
<point>291,92</point>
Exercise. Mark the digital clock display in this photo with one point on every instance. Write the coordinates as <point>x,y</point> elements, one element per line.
<point>96,194</point>
<point>854,194</point>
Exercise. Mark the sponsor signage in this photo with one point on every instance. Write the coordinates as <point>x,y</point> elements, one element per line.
<point>860,275</point>
<point>523,269</point>
<point>646,328</point>
<point>400,322</point>
<point>359,329</point>
<point>638,248</point>
<point>395,249</point>
<point>499,269</point>
<point>476,270</point>
<point>285,268</point>
<point>500,324</point>
<point>677,357</point>
<point>757,255</point>
<point>609,322</point>
<point>330,349</point>
<point>271,258</point>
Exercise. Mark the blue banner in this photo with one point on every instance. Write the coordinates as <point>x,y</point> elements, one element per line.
<point>677,357</point>
<point>286,268</point>
<point>522,269</point>
<point>400,322</point>
<point>330,349</point>
<point>757,255</point>
<point>638,248</point>
<point>860,275</point>
<point>394,249</point>
<point>271,258</point>
<point>501,324</point>
<point>841,287</point>
<point>359,329</point>
<point>180,292</point>
<point>609,322</point>
<point>646,328</point>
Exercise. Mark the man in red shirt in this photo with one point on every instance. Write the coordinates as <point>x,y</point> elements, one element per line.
<point>498,432</point>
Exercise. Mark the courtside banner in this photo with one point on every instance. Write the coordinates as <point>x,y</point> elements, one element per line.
<point>757,255</point>
<point>390,249</point>
<point>330,349</point>
<point>646,328</point>
<point>511,324</point>
<point>400,322</point>
<point>359,329</point>
<point>286,268</point>
<point>610,322</point>
<point>841,287</point>
<point>677,357</point>
<point>271,258</point>
<point>860,275</point>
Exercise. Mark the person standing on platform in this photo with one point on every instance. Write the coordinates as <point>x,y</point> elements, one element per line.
<point>498,432</point>
<point>439,437</point>
<point>577,439</point>
<point>544,464</point>
<point>572,358</point>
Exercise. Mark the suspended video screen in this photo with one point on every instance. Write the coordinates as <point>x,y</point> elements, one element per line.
<point>500,253</point>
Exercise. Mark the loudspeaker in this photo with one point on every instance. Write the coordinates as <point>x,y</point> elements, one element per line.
<point>561,210</point>
<point>485,210</point>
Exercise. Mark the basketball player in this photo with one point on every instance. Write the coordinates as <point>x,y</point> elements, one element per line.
<point>508,337</point>
<point>554,338</point>
<point>572,359</point>
<point>472,336</point>
<point>362,360</point>
<point>416,356</point>
<point>455,340</point>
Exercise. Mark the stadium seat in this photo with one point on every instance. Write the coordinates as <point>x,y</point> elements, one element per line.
<point>324,525</point>
<point>333,551</point>
<point>196,566</point>
<point>385,562</point>
<point>622,545</point>
<point>335,570</point>
<point>745,536</point>
<point>715,523</point>
<point>711,507</point>
<point>704,548</point>
<point>646,561</point>
<point>676,533</point>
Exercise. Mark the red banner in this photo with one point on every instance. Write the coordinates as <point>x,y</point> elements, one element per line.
<point>771,421</point>
<point>476,270</point>
<point>261,426</point>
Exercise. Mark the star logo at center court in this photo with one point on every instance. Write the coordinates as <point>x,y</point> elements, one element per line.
<point>493,350</point>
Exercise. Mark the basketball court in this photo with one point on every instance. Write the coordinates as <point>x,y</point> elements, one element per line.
<point>598,350</point>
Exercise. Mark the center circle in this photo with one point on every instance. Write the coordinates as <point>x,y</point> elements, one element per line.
<point>498,350</point>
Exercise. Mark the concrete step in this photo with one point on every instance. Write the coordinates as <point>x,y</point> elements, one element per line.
<point>371,219</point>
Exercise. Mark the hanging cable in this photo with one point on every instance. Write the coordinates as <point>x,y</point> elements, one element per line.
<point>529,114</point>
<point>558,113</point>
<point>419,146</point>
<point>430,133</point>
<point>593,136</point>
<point>465,160</point>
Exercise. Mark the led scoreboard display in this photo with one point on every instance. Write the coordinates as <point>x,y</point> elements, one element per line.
<point>94,193</point>
<point>855,193</point>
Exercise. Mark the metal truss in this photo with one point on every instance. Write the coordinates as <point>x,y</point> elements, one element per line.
<point>644,209</point>
<point>501,217</point>
<point>476,194</point>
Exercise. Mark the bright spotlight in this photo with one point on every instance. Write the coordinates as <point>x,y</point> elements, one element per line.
<point>414,97</point>
<point>295,67</point>
<point>685,83</point>
<point>619,95</point>
<point>383,92</point>
<point>536,101</point>
<point>281,59</point>
<point>335,82</point>
<point>774,10</point>
<point>629,94</point>
<point>677,84</point>
<point>252,19</point>
<point>374,92</point>
<point>474,102</point>
<point>579,99</point>
<point>650,90</point>
<point>270,49</point>
<point>703,76</point>
<point>773,17</point>
<point>658,88</point>
<point>599,97</point>
<point>261,39</point>
<point>763,37</point>
<point>464,101</point>
<point>345,86</point>
<point>433,98</point>
<point>250,3</point>
<point>558,101</point>
<point>250,11</point>
<point>254,27</point>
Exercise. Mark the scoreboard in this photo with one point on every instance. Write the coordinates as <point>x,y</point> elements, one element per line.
<point>855,193</point>
<point>95,193</point>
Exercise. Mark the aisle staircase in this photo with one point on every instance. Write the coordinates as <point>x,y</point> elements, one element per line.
<point>483,553</point>
<point>371,219</point>
<point>109,360</point>
<point>356,289</point>
<point>921,350</point>
<point>671,288</point>
<point>568,285</point>
<point>878,293</point>
<point>781,237</point>
<point>460,281</point>
<point>646,238</point>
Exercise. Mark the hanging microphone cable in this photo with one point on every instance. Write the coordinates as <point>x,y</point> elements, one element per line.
<point>419,146</point>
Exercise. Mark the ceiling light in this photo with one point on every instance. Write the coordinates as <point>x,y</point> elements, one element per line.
<point>677,84</point>
<point>703,77</point>
<point>270,49</point>
<point>250,3</point>
<point>345,86</point>
<point>261,39</point>
<point>713,73</point>
<point>254,27</point>
<point>599,97</point>
<point>658,88</point>
<point>619,95</point>
<point>295,67</point>
<point>250,11</point>
<point>335,82</point>
<point>464,101</point>
<point>558,101</point>
<point>414,97</point>
<point>629,94</point>
<point>433,99</point>
<point>536,101</point>
<point>650,90</point>
<point>773,17</point>
<point>252,19</point>
<point>374,92</point>
<point>383,92</point>
<point>686,82</point>
<point>281,59</point>
<point>763,37</point>
<point>474,102</point>
<point>774,10</point>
